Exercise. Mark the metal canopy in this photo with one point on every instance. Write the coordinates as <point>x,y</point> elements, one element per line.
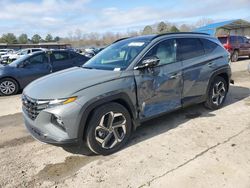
<point>228,25</point>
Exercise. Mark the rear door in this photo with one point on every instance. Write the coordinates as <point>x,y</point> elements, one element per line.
<point>159,88</point>
<point>60,60</point>
<point>196,66</point>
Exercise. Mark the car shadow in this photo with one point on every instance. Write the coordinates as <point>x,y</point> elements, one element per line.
<point>172,120</point>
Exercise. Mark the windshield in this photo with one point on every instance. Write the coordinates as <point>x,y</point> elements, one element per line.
<point>18,61</point>
<point>117,56</point>
<point>22,52</point>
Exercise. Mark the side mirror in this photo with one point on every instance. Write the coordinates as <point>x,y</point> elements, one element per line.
<point>23,64</point>
<point>148,62</point>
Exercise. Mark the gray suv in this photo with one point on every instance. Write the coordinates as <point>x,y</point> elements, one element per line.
<point>129,82</point>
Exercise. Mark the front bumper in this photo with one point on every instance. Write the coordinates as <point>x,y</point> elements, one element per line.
<point>42,128</point>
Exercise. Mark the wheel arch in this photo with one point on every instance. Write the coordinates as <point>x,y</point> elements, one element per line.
<point>120,98</point>
<point>225,73</point>
<point>10,77</point>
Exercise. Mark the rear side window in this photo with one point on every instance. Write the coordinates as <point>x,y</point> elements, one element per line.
<point>36,50</point>
<point>223,40</point>
<point>233,39</point>
<point>73,55</point>
<point>188,48</point>
<point>61,56</point>
<point>208,45</point>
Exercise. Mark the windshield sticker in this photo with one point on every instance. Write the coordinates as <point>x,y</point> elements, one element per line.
<point>117,69</point>
<point>136,44</point>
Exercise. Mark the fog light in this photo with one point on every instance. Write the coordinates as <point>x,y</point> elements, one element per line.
<point>57,120</point>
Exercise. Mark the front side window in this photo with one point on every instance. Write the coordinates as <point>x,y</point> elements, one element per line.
<point>117,56</point>
<point>188,48</point>
<point>38,59</point>
<point>165,51</point>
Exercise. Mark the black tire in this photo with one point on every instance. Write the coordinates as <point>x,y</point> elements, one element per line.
<point>95,133</point>
<point>13,84</point>
<point>211,100</point>
<point>235,56</point>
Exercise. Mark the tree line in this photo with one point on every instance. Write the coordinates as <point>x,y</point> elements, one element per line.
<point>11,38</point>
<point>81,39</point>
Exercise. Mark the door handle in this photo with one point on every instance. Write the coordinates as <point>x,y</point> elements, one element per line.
<point>175,76</point>
<point>211,64</point>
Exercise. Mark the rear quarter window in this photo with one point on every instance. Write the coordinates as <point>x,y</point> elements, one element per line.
<point>208,45</point>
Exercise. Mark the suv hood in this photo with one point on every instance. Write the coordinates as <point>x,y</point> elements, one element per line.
<point>66,83</point>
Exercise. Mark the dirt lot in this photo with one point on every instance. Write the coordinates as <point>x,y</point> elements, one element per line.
<point>193,147</point>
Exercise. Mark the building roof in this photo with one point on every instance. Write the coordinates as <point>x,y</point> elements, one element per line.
<point>228,25</point>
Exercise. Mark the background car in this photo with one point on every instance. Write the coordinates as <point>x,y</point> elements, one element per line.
<point>23,52</point>
<point>24,70</point>
<point>236,45</point>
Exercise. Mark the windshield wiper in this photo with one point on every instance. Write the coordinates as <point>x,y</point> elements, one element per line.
<point>87,67</point>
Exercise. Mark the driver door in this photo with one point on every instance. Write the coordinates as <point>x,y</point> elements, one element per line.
<point>159,88</point>
<point>35,67</point>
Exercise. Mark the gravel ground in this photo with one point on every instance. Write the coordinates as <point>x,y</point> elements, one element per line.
<point>192,147</point>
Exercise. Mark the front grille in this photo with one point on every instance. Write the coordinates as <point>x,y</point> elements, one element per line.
<point>33,107</point>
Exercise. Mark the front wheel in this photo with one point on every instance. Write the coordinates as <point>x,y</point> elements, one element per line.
<point>217,93</point>
<point>109,129</point>
<point>8,87</point>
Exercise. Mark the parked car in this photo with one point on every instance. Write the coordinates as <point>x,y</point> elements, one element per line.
<point>21,72</point>
<point>5,51</point>
<point>129,82</point>
<point>236,46</point>
<point>23,52</point>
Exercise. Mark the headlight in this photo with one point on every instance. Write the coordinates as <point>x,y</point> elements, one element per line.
<point>57,102</point>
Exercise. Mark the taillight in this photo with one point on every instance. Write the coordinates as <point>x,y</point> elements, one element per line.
<point>228,47</point>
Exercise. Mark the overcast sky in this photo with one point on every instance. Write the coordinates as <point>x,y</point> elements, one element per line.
<point>60,17</point>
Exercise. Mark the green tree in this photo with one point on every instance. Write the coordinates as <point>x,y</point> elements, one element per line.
<point>147,30</point>
<point>49,38</point>
<point>36,38</point>
<point>174,29</point>
<point>23,39</point>
<point>9,38</point>
<point>162,27</point>
<point>56,39</point>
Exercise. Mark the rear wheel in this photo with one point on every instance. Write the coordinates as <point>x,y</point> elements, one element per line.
<point>108,129</point>
<point>217,93</point>
<point>235,56</point>
<point>8,87</point>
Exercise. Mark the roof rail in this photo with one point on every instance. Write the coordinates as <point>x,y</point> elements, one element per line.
<point>179,33</point>
<point>120,39</point>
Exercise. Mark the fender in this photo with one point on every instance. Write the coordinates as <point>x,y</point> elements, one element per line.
<point>223,70</point>
<point>121,98</point>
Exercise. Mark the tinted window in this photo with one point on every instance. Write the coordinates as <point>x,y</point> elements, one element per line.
<point>37,59</point>
<point>208,45</point>
<point>188,48</point>
<point>36,50</point>
<point>165,51</point>
<point>241,40</point>
<point>73,55</point>
<point>61,56</point>
<point>223,40</point>
<point>233,39</point>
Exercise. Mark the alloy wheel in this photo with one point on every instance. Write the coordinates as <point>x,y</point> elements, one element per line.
<point>111,130</point>
<point>219,93</point>
<point>7,87</point>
